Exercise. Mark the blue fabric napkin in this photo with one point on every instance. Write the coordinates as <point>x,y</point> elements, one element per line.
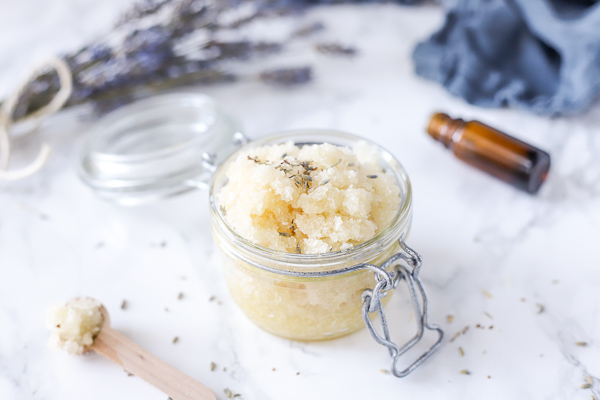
<point>543,56</point>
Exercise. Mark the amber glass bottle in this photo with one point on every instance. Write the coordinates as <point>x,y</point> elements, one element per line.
<point>492,151</point>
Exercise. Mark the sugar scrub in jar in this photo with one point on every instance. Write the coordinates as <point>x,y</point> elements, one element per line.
<point>307,202</point>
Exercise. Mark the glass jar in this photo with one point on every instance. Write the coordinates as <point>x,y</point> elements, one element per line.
<point>169,144</point>
<point>306,308</point>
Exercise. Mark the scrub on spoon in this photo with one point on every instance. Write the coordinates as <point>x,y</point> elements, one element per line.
<point>83,324</point>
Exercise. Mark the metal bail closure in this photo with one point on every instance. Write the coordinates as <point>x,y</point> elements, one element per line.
<point>158,147</point>
<point>388,281</point>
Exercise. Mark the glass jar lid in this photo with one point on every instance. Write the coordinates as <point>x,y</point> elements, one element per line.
<point>158,147</point>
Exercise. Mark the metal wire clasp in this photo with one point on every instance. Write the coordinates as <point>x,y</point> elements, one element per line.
<point>371,299</point>
<point>387,281</point>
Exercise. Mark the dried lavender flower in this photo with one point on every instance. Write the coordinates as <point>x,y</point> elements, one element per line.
<point>310,29</point>
<point>336,49</point>
<point>160,44</point>
<point>287,76</point>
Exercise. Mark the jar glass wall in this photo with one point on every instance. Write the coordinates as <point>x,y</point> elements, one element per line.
<point>306,307</point>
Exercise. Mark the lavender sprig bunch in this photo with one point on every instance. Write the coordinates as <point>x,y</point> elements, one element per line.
<point>160,44</point>
<point>166,43</point>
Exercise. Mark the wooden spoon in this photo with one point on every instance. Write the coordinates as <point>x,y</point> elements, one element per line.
<point>140,362</point>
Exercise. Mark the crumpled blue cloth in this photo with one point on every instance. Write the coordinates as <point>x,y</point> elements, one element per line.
<point>542,56</point>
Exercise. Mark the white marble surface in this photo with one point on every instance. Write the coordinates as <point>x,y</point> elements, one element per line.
<point>476,235</point>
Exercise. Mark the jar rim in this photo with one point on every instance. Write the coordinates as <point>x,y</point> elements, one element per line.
<point>152,148</point>
<point>397,228</point>
<point>138,113</point>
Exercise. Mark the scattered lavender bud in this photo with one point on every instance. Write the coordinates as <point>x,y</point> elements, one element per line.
<point>336,49</point>
<point>287,76</point>
<point>308,30</point>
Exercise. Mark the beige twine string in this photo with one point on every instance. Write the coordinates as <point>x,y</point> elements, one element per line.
<point>6,119</point>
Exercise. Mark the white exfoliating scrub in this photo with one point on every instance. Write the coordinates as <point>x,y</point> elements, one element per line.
<point>74,325</point>
<point>309,199</point>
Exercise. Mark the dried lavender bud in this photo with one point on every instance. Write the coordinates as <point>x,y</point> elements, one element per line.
<point>309,29</point>
<point>540,307</point>
<point>141,9</point>
<point>287,76</point>
<point>335,49</point>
